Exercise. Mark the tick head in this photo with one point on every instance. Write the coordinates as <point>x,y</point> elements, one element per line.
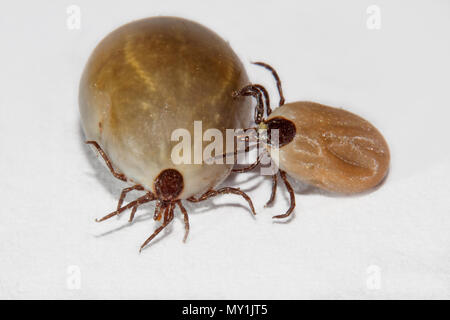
<point>286,130</point>
<point>169,184</point>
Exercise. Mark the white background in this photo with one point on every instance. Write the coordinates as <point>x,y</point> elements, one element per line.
<point>391,243</point>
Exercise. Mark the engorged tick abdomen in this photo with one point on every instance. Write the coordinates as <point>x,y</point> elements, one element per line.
<point>150,77</point>
<point>332,149</point>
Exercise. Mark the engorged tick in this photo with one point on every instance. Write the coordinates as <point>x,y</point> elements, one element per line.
<point>143,81</point>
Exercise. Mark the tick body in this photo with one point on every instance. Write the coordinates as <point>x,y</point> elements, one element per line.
<point>327,147</point>
<point>143,81</point>
<point>332,149</point>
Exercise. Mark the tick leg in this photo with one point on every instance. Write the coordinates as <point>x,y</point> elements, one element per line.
<point>133,211</point>
<point>236,151</point>
<point>119,176</point>
<point>169,212</point>
<point>277,79</point>
<point>252,90</point>
<point>157,213</point>
<point>247,148</point>
<point>266,98</point>
<point>291,194</point>
<point>168,216</point>
<point>249,168</point>
<point>213,193</point>
<point>171,209</point>
<point>252,166</point>
<point>136,203</point>
<point>274,189</point>
<point>255,90</point>
<point>186,219</point>
<point>124,193</point>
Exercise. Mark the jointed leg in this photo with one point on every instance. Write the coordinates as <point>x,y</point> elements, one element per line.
<point>274,189</point>
<point>168,216</point>
<point>133,211</point>
<point>277,79</point>
<point>236,151</point>
<point>213,193</point>
<point>171,207</point>
<point>136,203</point>
<point>119,176</point>
<point>266,97</point>
<point>291,194</point>
<point>258,92</point>
<point>157,213</point>
<point>253,90</point>
<point>250,167</point>
<point>186,219</point>
<point>124,193</point>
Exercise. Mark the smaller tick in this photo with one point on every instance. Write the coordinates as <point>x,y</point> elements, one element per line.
<point>327,147</point>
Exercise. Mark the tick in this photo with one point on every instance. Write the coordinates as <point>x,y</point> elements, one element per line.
<point>143,81</point>
<point>327,147</point>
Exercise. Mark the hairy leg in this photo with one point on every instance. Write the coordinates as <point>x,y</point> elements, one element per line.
<point>274,189</point>
<point>236,151</point>
<point>133,211</point>
<point>168,216</point>
<point>136,203</point>
<point>266,98</point>
<point>277,79</point>
<point>158,211</point>
<point>253,165</point>
<point>249,168</point>
<point>291,194</point>
<point>125,191</point>
<point>213,193</point>
<point>253,90</point>
<point>116,174</point>
<point>186,219</point>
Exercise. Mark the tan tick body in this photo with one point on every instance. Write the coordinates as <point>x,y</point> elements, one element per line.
<point>333,149</point>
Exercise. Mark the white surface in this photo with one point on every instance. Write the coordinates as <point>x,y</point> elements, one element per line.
<point>52,187</point>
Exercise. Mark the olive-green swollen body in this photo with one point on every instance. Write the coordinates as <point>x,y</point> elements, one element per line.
<point>150,77</point>
<point>144,81</point>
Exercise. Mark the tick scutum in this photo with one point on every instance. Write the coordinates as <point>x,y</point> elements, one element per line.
<point>286,130</point>
<point>169,184</point>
